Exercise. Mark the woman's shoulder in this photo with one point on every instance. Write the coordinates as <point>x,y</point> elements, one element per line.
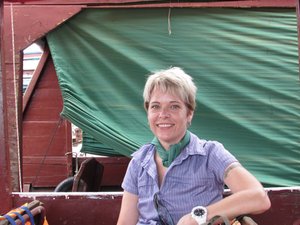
<point>214,152</point>
<point>206,146</point>
<point>143,153</point>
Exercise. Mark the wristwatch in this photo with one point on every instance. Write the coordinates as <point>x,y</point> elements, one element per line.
<point>199,213</point>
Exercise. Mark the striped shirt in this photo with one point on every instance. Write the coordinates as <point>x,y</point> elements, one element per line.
<point>195,177</point>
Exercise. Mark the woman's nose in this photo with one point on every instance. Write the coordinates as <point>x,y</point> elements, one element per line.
<point>164,113</point>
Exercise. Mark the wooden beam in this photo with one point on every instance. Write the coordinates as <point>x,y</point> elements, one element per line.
<point>30,23</point>
<point>208,3</point>
<point>85,208</point>
<point>225,4</point>
<point>5,190</point>
<point>192,4</point>
<point>23,25</point>
<point>35,77</point>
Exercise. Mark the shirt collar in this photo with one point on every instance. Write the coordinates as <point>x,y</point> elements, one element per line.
<point>195,147</point>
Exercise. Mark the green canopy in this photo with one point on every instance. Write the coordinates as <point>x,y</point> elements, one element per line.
<point>244,62</point>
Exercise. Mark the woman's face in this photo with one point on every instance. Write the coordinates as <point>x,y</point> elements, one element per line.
<point>168,117</point>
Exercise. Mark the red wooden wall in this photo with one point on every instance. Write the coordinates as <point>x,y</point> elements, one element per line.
<point>113,173</point>
<point>5,179</point>
<point>103,208</point>
<point>46,137</point>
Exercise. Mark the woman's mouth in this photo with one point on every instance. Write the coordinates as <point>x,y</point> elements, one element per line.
<point>164,125</point>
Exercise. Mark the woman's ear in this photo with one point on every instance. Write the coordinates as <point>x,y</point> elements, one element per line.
<point>190,116</point>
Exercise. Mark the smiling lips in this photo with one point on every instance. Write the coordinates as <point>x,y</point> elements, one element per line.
<point>163,125</point>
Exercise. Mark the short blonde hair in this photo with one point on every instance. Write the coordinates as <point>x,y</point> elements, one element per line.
<point>174,81</point>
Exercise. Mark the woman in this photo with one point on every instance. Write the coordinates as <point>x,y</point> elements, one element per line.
<point>179,178</point>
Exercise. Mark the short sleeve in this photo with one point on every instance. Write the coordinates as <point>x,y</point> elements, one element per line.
<point>219,159</point>
<point>129,183</point>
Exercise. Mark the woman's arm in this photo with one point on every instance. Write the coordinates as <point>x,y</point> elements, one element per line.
<point>128,213</point>
<point>248,196</point>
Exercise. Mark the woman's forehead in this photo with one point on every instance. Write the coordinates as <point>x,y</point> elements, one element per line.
<point>159,95</point>
<point>172,90</point>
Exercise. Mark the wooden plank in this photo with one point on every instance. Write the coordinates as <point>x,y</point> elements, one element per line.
<point>50,160</point>
<point>232,4</point>
<point>47,93</point>
<point>52,166</point>
<point>37,146</point>
<point>36,74</point>
<point>46,176</point>
<point>44,128</point>
<point>46,138</point>
<point>6,201</point>
<point>285,207</point>
<point>42,114</point>
<point>76,208</point>
<point>86,208</point>
<point>47,98</point>
<point>12,121</point>
<point>223,3</point>
<point>32,22</point>
<point>22,26</point>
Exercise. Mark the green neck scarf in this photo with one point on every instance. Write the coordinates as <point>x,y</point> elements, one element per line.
<point>168,156</point>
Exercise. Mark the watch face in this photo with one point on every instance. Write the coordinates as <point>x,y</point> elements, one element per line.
<point>199,212</point>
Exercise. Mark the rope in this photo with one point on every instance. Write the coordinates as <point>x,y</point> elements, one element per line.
<point>29,214</point>
<point>169,22</point>
<point>47,149</point>
<point>20,217</point>
<point>10,220</point>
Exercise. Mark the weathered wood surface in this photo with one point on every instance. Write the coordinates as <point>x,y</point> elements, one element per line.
<point>114,170</point>
<point>5,179</point>
<point>103,208</point>
<point>224,3</point>
<point>46,137</point>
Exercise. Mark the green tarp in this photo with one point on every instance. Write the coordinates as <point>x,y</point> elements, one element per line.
<point>244,62</point>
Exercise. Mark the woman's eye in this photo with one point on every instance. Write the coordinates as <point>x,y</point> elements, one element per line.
<point>154,107</point>
<point>175,107</point>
